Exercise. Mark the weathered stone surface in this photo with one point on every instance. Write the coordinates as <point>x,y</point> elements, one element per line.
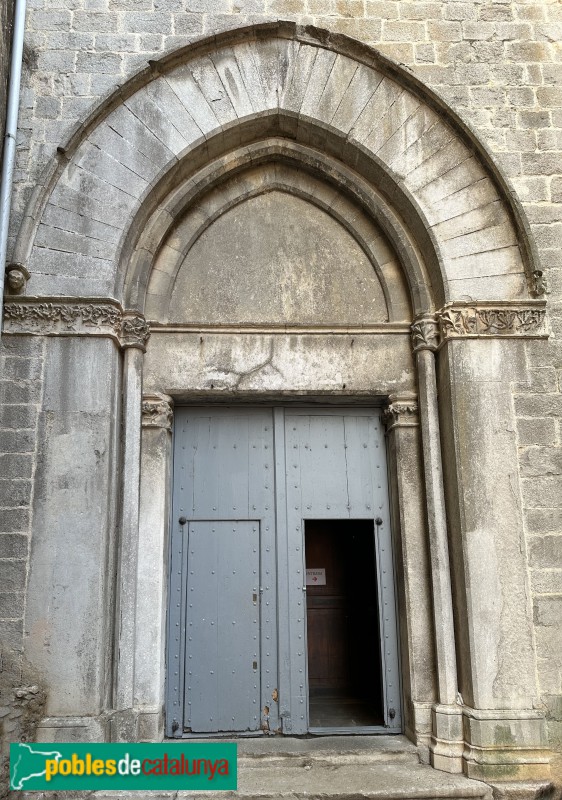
<point>14,519</point>
<point>73,525</point>
<point>486,427</point>
<point>545,551</point>
<point>182,364</point>
<point>496,64</point>
<point>547,581</point>
<point>536,431</point>
<point>13,545</point>
<point>254,265</point>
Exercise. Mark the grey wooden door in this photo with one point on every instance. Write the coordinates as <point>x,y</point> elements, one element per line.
<point>222,653</point>
<point>246,480</point>
<point>336,469</point>
<point>222,616</point>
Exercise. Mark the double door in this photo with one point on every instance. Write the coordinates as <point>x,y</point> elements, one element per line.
<point>281,613</point>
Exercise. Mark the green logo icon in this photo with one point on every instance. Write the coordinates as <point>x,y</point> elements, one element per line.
<point>175,765</point>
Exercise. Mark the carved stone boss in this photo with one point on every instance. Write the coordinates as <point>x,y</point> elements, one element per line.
<point>71,317</point>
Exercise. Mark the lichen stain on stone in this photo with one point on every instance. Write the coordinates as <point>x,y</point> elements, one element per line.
<point>503,735</point>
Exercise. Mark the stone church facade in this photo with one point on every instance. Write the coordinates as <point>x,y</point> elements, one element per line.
<point>327,231</point>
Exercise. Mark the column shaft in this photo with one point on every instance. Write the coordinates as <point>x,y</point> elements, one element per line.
<point>437,530</point>
<point>128,550</point>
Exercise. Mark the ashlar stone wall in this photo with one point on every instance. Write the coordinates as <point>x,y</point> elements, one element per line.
<point>498,64</point>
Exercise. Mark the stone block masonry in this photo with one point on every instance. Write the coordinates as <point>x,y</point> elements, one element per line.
<point>21,367</point>
<point>497,63</point>
<point>20,395</point>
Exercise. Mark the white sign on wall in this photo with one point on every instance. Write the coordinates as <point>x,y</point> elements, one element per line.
<point>316,577</point>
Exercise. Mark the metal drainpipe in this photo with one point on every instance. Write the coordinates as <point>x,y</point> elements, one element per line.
<point>10,138</point>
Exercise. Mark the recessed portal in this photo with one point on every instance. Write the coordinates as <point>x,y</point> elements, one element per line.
<point>344,667</point>
<point>245,481</point>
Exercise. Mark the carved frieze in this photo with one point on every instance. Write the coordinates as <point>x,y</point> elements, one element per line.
<point>157,411</point>
<point>475,320</point>
<point>72,316</point>
<point>69,316</point>
<point>497,321</point>
<point>60,317</point>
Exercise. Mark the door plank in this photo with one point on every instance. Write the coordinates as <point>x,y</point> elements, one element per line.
<point>222,685</point>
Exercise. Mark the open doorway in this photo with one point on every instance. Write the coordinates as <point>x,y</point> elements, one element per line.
<point>250,485</point>
<point>343,632</point>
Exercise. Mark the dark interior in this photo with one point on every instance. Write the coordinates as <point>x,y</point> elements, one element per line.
<point>344,675</point>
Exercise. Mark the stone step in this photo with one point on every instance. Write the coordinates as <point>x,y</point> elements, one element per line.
<point>325,750</point>
<point>344,781</point>
<point>334,768</point>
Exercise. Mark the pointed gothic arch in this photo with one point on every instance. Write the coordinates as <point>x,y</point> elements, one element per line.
<point>358,137</point>
<point>325,92</point>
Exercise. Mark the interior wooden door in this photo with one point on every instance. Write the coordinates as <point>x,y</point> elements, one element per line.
<point>343,633</point>
<point>326,611</point>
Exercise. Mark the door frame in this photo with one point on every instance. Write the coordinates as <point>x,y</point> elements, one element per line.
<point>288,636</point>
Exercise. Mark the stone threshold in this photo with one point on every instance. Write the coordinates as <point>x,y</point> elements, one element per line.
<point>332,768</point>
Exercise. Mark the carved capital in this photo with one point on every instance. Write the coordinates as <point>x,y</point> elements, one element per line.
<point>135,331</point>
<point>157,411</point>
<point>402,412</point>
<point>425,334</point>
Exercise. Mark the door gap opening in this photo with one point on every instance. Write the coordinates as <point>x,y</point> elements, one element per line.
<point>343,630</point>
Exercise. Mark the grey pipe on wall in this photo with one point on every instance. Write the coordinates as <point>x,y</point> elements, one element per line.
<point>9,159</point>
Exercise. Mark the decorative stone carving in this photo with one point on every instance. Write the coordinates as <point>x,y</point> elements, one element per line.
<point>401,412</point>
<point>135,331</point>
<point>470,320</point>
<point>425,334</point>
<point>539,285</point>
<point>492,321</point>
<point>157,411</point>
<point>70,316</point>
<point>16,277</point>
<point>35,316</point>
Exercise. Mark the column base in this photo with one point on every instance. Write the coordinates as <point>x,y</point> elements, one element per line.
<point>73,729</point>
<point>524,790</point>
<point>446,746</point>
<point>418,727</point>
<point>505,746</point>
<point>130,725</point>
<point>137,725</point>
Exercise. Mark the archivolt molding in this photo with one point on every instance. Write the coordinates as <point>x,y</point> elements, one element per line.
<point>73,316</point>
<point>257,178</point>
<point>325,91</point>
